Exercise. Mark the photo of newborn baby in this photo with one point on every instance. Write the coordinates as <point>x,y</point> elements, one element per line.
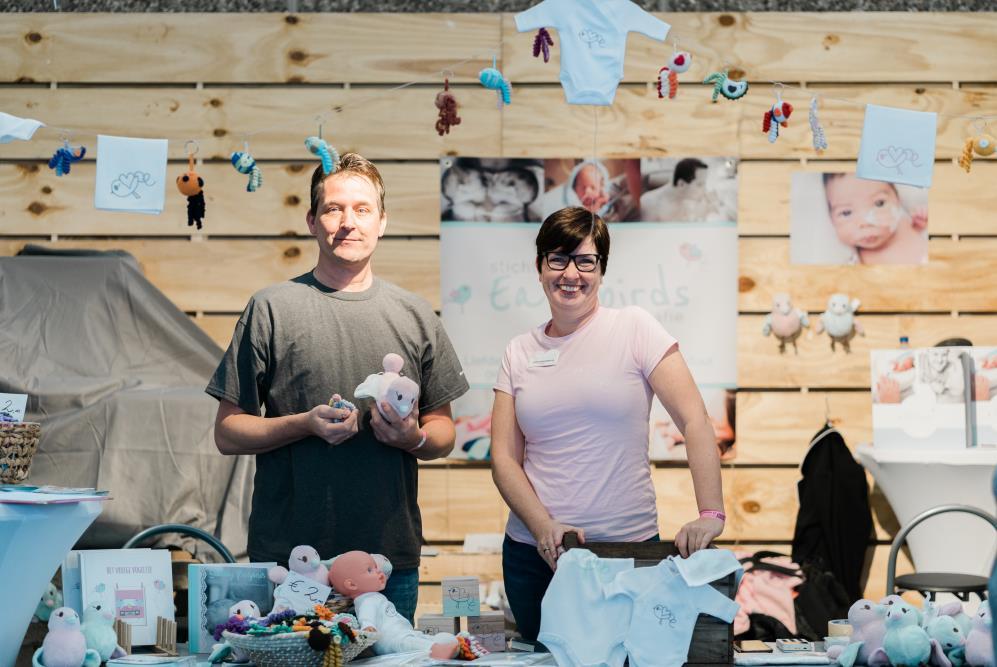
<point>490,190</point>
<point>839,218</point>
<point>609,188</point>
<point>690,189</point>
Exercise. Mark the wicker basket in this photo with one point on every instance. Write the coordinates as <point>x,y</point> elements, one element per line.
<point>18,442</point>
<point>292,649</point>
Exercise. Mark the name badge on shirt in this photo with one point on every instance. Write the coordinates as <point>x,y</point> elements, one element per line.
<point>541,359</point>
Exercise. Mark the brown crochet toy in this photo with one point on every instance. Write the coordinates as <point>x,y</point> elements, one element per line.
<point>447,104</point>
<point>982,144</point>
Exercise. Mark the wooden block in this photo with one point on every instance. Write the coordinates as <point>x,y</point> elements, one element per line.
<point>43,203</point>
<point>955,200</point>
<point>432,624</point>
<point>124,632</point>
<point>957,277</point>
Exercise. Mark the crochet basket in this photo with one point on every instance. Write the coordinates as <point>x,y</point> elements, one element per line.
<point>291,649</point>
<point>18,442</point>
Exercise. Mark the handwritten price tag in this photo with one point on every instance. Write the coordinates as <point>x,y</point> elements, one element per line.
<point>301,593</point>
<point>12,407</point>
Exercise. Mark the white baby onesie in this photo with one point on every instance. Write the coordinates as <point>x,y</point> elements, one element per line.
<point>578,624</point>
<point>396,634</point>
<point>665,610</point>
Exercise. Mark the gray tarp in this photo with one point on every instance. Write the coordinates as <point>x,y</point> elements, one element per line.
<point>116,373</point>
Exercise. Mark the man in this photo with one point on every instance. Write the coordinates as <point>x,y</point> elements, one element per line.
<point>331,478</point>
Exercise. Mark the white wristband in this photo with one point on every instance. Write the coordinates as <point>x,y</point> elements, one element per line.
<point>422,442</point>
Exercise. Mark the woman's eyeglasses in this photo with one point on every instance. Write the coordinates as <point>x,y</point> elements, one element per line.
<point>558,261</point>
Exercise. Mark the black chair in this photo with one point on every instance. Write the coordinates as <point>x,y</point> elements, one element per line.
<point>930,584</point>
<point>182,529</point>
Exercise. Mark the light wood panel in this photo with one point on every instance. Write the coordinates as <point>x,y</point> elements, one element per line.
<point>540,122</point>
<point>956,204</point>
<point>537,123</point>
<point>759,363</point>
<point>488,567</point>
<point>371,121</point>
<point>776,427</point>
<point>39,202</point>
<point>277,48</point>
<point>761,503</point>
<point>242,48</point>
<point>797,46</point>
<point>222,275</point>
<point>958,276</point>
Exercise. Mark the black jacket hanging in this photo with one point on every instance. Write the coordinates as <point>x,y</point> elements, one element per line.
<point>834,523</point>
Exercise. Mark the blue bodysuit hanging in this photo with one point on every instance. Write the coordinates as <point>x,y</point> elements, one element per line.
<point>593,37</point>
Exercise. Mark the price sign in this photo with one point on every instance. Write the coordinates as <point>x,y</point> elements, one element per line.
<point>301,593</point>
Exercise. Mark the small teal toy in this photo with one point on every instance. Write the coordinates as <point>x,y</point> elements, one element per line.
<point>65,645</point>
<point>98,629</point>
<point>245,164</point>
<point>906,644</point>
<point>51,600</point>
<point>726,86</point>
<point>64,157</point>
<point>326,153</point>
<point>491,78</point>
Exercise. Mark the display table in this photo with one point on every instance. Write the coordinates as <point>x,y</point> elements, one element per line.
<point>34,540</point>
<point>916,480</point>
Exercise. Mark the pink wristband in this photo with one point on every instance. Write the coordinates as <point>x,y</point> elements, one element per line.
<point>713,514</point>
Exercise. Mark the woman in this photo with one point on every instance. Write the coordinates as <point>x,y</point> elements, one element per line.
<point>570,420</point>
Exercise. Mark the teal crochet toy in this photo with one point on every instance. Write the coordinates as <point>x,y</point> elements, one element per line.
<point>326,153</point>
<point>65,645</point>
<point>491,78</point>
<point>98,629</point>
<point>245,164</point>
<point>51,599</point>
<point>726,86</point>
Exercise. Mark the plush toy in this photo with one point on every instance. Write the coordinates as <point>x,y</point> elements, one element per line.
<point>245,610</point>
<point>357,575</point>
<point>980,643</point>
<point>839,321</point>
<point>305,561</point>
<point>785,322</point>
<point>491,78</point>
<point>724,85</point>
<point>98,628</point>
<point>816,129</point>
<point>906,644</point>
<point>982,144</point>
<point>191,186</point>
<point>51,599</point>
<point>680,62</point>
<point>778,115</point>
<point>894,599</point>
<point>65,645</point>
<point>932,610</point>
<point>245,164</point>
<point>340,403</point>
<point>64,157</point>
<point>326,153</point>
<point>399,391</point>
<point>948,634</point>
<point>542,43</point>
<point>868,630</point>
<point>447,104</point>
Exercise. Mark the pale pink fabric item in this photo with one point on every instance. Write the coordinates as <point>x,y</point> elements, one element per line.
<point>767,593</point>
<point>585,420</point>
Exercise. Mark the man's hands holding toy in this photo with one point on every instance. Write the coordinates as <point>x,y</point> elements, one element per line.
<point>394,430</point>
<point>333,424</point>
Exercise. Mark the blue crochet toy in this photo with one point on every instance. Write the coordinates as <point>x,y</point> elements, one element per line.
<point>326,153</point>
<point>341,404</point>
<point>491,78</point>
<point>64,157</point>
<point>726,86</point>
<point>245,164</point>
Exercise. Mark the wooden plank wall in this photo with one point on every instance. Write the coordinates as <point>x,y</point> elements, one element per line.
<point>217,77</point>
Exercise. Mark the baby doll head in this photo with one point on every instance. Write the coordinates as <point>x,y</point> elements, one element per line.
<point>589,184</point>
<point>865,214</point>
<point>355,573</point>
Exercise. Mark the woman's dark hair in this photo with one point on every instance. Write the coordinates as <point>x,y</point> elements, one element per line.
<point>565,230</point>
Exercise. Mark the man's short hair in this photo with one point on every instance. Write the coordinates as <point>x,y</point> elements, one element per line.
<point>350,164</point>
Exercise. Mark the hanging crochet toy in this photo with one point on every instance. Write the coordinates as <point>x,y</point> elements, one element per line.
<point>774,117</point>
<point>326,153</point>
<point>447,104</point>
<point>245,164</point>
<point>839,321</point>
<point>724,85</point>
<point>816,129</point>
<point>191,186</point>
<point>785,322</point>
<point>64,157</point>
<point>680,62</point>
<point>542,43</point>
<point>982,144</point>
<point>490,77</point>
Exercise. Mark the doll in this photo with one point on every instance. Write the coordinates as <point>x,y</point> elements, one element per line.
<point>400,392</point>
<point>357,575</point>
<point>785,322</point>
<point>839,321</point>
<point>65,645</point>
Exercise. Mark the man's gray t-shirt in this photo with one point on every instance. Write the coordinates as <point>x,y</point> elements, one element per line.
<point>298,343</point>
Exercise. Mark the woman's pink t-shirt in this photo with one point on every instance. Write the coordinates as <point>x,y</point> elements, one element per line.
<point>585,418</point>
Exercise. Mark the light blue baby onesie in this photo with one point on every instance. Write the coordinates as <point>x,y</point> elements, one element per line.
<point>593,35</point>
<point>665,609</point>
<point>578,624</point>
